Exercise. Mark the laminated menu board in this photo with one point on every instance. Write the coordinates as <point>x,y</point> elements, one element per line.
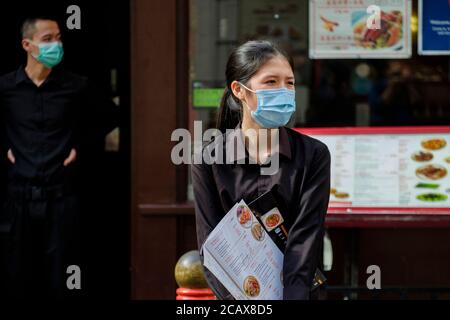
<point>359,29</point>
<point>404,168</point>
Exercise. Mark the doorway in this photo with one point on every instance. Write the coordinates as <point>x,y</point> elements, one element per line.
<point>100,51</point>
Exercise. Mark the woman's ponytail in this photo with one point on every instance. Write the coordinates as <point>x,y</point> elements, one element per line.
<point>229,112</point>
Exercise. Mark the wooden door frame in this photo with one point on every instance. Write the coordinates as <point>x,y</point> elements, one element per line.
<point>159,102</point>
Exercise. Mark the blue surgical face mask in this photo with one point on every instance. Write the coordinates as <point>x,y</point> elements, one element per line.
<point>275,106</point>
<point>50,54</point>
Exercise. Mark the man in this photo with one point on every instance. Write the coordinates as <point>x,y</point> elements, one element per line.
<point>45,112</point>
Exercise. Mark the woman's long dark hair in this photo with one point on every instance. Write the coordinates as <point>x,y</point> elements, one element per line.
<point>243,63</point>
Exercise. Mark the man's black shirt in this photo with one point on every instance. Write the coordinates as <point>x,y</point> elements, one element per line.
<point>42,124</point>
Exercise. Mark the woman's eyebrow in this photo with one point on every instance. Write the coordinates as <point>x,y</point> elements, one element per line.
<point>277,76</point>
<point>270,76</point>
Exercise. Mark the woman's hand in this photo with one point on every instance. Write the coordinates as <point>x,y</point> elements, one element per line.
<point>71,158</point>
<point>11,157</point>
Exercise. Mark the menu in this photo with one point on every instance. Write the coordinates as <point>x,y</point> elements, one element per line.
<point>360,29</point>
<point>243,257</point>
<point>389,170</point>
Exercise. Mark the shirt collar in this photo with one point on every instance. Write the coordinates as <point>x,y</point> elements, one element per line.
<point>21,75</point>
<point>284,144</point>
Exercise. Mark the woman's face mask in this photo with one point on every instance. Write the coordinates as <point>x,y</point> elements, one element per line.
<point>275,106</point>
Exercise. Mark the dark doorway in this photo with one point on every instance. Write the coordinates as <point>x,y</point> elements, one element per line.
<point>100,51</point>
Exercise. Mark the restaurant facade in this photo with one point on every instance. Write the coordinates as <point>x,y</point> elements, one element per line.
<point>163,62</point>
<point>349,95</point>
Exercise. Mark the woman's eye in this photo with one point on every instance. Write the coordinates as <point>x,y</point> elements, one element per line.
<point>270,81</point>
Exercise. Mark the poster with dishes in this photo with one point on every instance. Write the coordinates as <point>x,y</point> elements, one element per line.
<point>434,29</point>
<point>359,29</point>
<point>389,170</point>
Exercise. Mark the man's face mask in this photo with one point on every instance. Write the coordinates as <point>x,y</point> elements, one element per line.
<point>275,106</point>
<point>50,53</point>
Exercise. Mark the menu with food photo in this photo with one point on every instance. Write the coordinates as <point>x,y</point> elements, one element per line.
<point>243,257</point>
<point>407,170</point>
<point>345,29</point>
<point>268,209</point>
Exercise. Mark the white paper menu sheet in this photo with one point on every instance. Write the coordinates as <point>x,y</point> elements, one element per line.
<point>246,262</point>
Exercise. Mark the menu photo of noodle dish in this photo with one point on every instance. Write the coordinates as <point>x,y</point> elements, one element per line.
<point>243,257</point>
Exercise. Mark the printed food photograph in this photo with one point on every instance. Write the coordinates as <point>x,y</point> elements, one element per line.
<point>427,186</point>
<point>434,144</point>
<point>273,220</point>
<point>341,195</point>
<point>251,287</point>
<point>431,172</point>
<point>389,35</point>
<point>338,194</point>
<point>432,197</point>
<point>258,232</point>
<point>328,24</point>
<point>422,156</point>
<point>244,216</point>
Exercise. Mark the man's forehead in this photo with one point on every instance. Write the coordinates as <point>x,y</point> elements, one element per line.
<point>46,27</point>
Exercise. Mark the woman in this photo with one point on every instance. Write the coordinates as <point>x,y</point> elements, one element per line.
<point>260,96</point>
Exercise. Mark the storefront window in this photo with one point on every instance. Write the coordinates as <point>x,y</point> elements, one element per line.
<point>330,92</point>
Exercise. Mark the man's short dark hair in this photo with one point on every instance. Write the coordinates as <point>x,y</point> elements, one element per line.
<point>29,26</point>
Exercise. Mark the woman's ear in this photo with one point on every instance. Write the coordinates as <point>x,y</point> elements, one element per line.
<point>237,90</point>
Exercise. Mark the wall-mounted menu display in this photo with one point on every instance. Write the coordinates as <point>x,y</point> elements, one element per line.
<point>404,169</point>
